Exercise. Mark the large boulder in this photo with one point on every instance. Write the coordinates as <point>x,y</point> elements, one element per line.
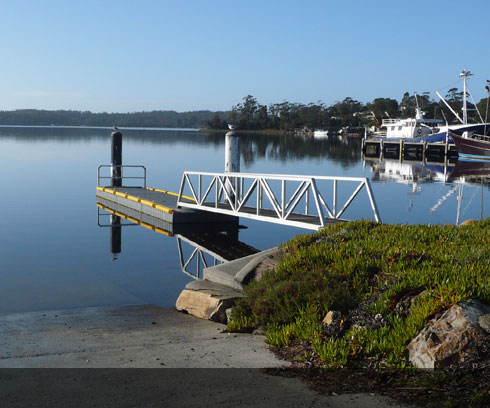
<point>449,338</point>
<point>207,300</point>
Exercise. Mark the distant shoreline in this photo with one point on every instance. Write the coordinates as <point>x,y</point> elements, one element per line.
<point>98,127</point>
<point>267,131</point>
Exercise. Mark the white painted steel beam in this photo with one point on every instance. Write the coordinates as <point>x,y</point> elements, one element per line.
<point>269,205</point>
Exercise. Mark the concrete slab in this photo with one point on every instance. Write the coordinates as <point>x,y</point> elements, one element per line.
<point>71,388</point>
<point>235,274</point>
<point>199,284</point>
<point>144,337</point>
<point>127,336</point>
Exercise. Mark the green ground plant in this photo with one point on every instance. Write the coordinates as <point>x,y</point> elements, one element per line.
<point>368,265</point>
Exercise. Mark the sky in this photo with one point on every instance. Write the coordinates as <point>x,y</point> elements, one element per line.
<point>126,56</point>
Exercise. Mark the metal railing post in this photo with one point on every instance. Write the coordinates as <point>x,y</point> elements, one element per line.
<point>283,198</point>
<point>285,210</point>
<point>307,200</point>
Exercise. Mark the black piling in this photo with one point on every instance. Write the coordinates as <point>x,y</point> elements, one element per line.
<point>116,233</point>
<point>116,159</point>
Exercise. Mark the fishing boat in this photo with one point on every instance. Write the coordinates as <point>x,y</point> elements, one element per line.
<point>412,127</point>
<point>472,140</point>
<point>473,146</point>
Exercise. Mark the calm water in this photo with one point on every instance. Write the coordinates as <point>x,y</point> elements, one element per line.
<point>54,255</point>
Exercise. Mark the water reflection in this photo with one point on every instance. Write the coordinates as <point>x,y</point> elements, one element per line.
<point>199,245</point>
<point>277,147</point>
<point>471,172</point>
<point>408,172</point>
<point>465,181</point>
<point>287,148</point>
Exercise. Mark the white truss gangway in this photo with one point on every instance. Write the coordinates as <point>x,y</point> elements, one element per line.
<point>274,198</point>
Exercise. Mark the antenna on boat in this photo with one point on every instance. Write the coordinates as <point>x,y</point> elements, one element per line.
<point>487,88</point>
<point>465,74</point>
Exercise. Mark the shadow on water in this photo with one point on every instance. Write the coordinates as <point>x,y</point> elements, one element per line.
<point>199,245</point>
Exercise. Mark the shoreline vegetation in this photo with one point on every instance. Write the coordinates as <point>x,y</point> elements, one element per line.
<point>250,115</point>
<point>381,285</point>
<point>259,131</point>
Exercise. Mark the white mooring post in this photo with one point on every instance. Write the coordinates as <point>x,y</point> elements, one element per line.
<point>232,163</point>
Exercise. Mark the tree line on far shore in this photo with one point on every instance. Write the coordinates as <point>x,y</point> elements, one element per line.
<point>251,115</point>
<point>159,119</point>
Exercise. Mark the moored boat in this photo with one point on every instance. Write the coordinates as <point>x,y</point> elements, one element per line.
<point>319,133</point>
<point>411,127</point>
<point>476,146</point>
<point>472,140</point>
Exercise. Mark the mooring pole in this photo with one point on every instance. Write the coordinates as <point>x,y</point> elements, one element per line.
<point>232,163</point>
<point>116,159</point>
<point>116,232</point>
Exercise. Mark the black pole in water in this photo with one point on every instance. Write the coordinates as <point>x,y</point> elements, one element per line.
<point>116,232</point>
<point>116,159</point>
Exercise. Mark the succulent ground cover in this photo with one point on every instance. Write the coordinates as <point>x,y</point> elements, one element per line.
<point>384,282</point>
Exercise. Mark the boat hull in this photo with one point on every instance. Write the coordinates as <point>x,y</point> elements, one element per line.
<point>471,147</point>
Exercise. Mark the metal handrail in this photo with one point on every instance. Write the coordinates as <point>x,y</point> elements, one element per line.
<point>112,167</point>
<point>231,197</point>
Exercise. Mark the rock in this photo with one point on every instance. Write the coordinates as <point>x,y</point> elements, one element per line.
<point>484,322</point>
<point>331,317</point>
<point>207,300</point>
<point>228,314</point>
<point>449,338</point>
<point>469,222</point>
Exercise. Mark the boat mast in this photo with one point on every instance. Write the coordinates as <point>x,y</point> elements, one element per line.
<point>465,74</point>
<point>418,112</point>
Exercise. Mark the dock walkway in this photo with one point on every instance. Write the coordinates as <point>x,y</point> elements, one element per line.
<point>157,203</point>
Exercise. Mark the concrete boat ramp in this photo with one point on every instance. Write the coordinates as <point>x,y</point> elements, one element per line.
<point>143,336</point>
<point>147,337</point>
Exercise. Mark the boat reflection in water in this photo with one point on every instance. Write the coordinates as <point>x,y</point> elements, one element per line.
<point>473,176</point>
<point>199,245</point>
<point>471,171</point>
<point>408,172</point>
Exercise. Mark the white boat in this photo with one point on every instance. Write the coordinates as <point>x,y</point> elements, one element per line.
<point>320,133</point>
<point>411,127</point>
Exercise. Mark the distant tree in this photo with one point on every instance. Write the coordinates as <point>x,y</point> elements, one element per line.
<point>216,123</point>
<point>381,106</point>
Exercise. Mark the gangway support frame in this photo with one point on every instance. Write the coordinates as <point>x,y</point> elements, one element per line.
<point>232,196</point>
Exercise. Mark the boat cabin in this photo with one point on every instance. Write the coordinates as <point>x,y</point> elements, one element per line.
<point>411,127</point>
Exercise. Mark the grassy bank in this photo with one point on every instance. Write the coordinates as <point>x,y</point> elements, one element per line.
<point>387,279</point>
<point>384,282</point>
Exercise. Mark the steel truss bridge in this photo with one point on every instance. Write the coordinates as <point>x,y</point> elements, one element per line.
<point>293,200</point>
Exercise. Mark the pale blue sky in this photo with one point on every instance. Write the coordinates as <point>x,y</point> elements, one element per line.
<point>123,56</point>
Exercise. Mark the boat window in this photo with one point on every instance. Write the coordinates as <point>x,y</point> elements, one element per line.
<point>399,128</point>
